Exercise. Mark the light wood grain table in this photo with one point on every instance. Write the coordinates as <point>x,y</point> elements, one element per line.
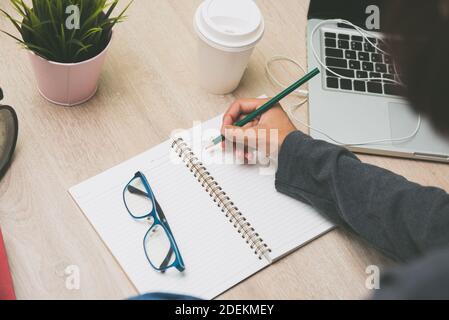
<point>148,88</point>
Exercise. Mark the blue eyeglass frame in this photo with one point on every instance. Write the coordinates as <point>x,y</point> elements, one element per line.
<point>179,262</point>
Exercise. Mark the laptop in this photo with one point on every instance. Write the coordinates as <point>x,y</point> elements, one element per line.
<point>354,111</point>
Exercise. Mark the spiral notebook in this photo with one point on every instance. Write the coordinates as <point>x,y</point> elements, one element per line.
<point>228,219</point>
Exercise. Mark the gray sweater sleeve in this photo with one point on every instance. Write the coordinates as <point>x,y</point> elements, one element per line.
<point>401,218</point>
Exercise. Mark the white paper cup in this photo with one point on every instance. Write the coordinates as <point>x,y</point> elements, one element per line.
<point>228,31</point>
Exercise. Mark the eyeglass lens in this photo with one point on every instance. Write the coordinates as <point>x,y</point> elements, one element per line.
<point>137,201</point>
<point>158,248</point>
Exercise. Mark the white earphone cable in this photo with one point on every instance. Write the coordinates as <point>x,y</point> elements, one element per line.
<point>304,94</point>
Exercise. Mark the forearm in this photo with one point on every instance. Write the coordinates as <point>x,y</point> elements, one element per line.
<point>401,218</point>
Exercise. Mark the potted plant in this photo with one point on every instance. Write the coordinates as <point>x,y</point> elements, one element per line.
<point>67,42</point>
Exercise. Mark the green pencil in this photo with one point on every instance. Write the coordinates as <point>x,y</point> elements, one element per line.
<point>270,104</point>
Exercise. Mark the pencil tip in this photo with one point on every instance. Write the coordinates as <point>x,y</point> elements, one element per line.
<point>210,145</point>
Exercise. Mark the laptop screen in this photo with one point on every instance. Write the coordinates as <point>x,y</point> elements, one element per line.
<point>352,10</point>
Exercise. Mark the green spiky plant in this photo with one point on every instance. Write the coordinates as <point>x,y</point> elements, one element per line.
<point>43,30</point>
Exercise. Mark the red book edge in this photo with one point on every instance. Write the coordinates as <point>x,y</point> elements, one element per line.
<point>6,285</point>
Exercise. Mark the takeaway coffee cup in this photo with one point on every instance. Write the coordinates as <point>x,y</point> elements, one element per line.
<point>228,31</point>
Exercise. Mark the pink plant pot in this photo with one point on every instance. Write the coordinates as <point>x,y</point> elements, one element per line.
<point>68,84</point>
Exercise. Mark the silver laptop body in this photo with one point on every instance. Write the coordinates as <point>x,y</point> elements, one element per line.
<point>352,114</point>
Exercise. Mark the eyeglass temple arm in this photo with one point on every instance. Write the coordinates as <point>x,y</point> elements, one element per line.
<point>139,192</point>
<point>170,252</point>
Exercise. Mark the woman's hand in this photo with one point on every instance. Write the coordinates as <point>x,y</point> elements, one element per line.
<point>263,129</point>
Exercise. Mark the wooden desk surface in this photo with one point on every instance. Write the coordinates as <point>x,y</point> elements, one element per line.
<point>148,88</point>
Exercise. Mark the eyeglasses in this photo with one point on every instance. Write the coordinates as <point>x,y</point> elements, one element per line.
<point>9,129</point>
<point>159,243</point>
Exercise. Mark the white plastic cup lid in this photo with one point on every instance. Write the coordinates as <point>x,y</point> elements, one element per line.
<point>229,24</point>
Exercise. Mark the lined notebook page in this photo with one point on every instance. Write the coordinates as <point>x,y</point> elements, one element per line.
<point>284,223</point>
<point>215,255</point>
<point>216,258</point>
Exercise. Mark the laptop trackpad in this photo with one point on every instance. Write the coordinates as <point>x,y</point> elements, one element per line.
<point>403,121</point>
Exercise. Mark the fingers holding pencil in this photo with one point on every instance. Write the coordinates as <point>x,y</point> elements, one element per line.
<point>258,134</point>
<point>243,107</point>
<point>240,109</point>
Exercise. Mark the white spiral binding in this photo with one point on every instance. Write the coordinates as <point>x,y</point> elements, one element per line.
<point>208,182</point>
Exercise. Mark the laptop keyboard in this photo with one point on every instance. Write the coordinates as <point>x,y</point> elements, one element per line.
<point>352,57</point>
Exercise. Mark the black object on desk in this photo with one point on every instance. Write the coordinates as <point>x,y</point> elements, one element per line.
<point>9,130</point>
